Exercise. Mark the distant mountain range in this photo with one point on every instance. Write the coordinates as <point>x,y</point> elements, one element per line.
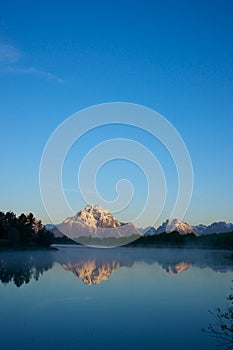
<point>94,221</point>
<point>183,228</point>
<point>215,227</point>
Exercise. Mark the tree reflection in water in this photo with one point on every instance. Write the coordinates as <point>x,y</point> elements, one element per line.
<point>93,266</point>
<point>21,267</point>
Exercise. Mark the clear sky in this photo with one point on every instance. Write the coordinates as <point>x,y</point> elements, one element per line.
<point>172,56</point>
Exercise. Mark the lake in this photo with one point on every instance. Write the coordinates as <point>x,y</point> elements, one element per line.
<point>120,298</point>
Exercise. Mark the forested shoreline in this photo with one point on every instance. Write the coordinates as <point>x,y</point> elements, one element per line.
<point>26,231</point>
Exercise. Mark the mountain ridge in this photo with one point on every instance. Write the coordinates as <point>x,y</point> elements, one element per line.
<point>94,221</point>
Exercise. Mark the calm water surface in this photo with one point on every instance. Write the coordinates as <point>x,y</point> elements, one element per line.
<point>123,298</point>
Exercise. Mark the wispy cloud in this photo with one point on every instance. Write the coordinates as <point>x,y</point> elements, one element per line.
<point>9,59</point>
<point>9,54</point>
<point>31,71</point>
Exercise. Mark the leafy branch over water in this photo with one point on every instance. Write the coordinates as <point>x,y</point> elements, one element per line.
<point>222,328</point>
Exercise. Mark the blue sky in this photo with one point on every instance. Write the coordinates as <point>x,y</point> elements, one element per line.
<point>172,56</point>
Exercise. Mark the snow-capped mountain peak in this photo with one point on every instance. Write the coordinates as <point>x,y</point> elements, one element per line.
<point>179,226</point>
<point>94,216</point>
<point>171,225</point>
<point>95,221</point>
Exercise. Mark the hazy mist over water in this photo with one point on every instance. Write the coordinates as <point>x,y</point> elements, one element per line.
<point>130,298</point>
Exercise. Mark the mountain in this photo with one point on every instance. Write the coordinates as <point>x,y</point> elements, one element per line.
<point>151,231</point>
<point>171,225</point>
<point>54,230</point>
<point>94,221</point>
<point>200,228</point>
<point>218,227</point>
<point>145,230</point>
<point>184,228</point>
<point>50,227</point>
<point>94,216</point>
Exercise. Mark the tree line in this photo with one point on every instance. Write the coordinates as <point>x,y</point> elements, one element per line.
<point>23,230</point>
<point>175,239</point>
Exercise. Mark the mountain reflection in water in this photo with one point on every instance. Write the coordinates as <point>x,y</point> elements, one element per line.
<point>93,266</point>
<point>91,272</point>
<point>178,268</point>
